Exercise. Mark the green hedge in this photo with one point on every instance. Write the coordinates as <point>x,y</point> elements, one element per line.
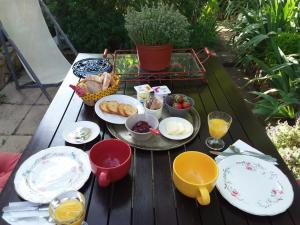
<point>93,25</point>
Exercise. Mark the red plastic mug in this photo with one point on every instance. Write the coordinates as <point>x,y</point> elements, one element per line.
<point>110,160</point>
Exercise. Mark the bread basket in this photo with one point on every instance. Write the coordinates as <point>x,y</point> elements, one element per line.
<point>90,99</point>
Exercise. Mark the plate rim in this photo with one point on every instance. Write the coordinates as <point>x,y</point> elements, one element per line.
<point>246,209</point>
<point>176,139</point>
<point>64,135</point>
<point>99,112</point>
<point>38,155</point>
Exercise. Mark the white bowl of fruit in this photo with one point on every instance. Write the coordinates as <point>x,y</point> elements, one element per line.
<point>179,104</point>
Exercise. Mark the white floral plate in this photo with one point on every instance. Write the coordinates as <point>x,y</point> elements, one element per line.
<point>50,172</point>
<point>113,118</point>
<point>254,185</point>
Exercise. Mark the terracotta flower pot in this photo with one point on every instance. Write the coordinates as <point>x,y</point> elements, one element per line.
<point>154,58</point>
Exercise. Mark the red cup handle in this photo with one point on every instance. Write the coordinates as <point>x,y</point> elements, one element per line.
<point>103,180</point>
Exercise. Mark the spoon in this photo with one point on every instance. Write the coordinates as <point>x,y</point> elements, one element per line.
<point>154,131</point>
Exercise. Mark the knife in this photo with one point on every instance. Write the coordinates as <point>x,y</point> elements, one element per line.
<point>257,155</point>
<point>24,208</point>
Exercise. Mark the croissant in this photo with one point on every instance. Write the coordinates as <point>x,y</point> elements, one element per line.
<point>93,86</point>
<point>97,78</point>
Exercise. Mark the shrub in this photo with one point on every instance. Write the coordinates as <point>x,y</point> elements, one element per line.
<point>282,99</point>
<point>91,26</point>
<point>289,43</point>
<point>204,30</point>
<point>95,25</point>
<point>286,138</point>
<point>157,25</point>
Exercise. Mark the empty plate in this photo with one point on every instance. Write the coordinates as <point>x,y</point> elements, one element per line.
<point>254,185</point>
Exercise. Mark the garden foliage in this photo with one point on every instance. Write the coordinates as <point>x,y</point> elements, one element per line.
<point>286,138</point>
<point>266,37</point>
<point>95,25</point>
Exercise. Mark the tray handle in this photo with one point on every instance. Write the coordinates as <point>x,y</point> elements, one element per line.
<point>207,52</point>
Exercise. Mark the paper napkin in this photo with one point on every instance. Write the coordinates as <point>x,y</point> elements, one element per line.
<point>243,147</point>
<point>25,217</point>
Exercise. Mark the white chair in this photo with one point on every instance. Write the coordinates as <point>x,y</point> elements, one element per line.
<point>23,25</point>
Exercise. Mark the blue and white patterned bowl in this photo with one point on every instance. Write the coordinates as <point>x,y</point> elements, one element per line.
<point>91,66</point>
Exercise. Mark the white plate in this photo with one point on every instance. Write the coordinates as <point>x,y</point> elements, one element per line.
<point>116,119</point>
<point>163,130</point>
<point>95,130</point>
<point>50,172</point>
<point>254,185</point>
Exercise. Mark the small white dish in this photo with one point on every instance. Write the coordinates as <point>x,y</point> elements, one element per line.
<point>189,129</point>
<point>155,112</point>
<point>254,185</point>
<point>71,128</point>
<point>132,120</point>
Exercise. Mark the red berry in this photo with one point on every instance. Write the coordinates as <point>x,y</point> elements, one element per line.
<point>180,99</point>
<point>186,105</point>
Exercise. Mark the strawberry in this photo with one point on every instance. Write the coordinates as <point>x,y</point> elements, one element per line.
<point>180,99</point>
<point>186,105</point>
<point>177,105</point>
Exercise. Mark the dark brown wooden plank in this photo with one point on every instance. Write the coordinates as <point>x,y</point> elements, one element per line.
<point>230,213</point>
<point>188,212</point>
<point>115,200</point>
<point>143,193</point>
<point>164,205</point>
<point>100,199</point>
<point>210,214</point>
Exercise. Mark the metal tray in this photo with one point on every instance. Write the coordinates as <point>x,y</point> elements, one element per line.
<point>157,142</point>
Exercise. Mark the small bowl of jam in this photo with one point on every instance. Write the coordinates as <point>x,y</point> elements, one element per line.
<point>139,126</point>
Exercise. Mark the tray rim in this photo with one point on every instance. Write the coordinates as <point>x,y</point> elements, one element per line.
<point>109,126</point>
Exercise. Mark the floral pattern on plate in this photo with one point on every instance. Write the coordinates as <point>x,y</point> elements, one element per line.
<point>254,185</point>
<point>51,172</point>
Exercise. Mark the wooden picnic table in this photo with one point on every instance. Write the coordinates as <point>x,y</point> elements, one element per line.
<point>147,195</point>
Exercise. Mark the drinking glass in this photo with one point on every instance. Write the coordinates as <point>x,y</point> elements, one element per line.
<point>218,125</point>
<point>68,208</point>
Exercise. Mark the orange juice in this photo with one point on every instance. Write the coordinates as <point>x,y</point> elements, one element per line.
<point>70,212</point>
<point>217,128</point>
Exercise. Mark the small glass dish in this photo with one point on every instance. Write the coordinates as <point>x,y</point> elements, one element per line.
<point>68,208</point>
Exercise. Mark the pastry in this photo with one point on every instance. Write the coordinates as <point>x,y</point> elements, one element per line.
<point>97,78</point>
<point>121,109</point>
<point>103,107</point>
<point>106,81</point>
<point>112,107</point>
<point>93,86</point>
<point>130,110</point>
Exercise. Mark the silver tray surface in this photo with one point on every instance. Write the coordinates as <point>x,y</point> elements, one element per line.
<point>156,142</point>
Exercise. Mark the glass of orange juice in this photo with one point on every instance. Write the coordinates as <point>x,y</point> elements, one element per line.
<point>218,125</point>
<point>68,208</point>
